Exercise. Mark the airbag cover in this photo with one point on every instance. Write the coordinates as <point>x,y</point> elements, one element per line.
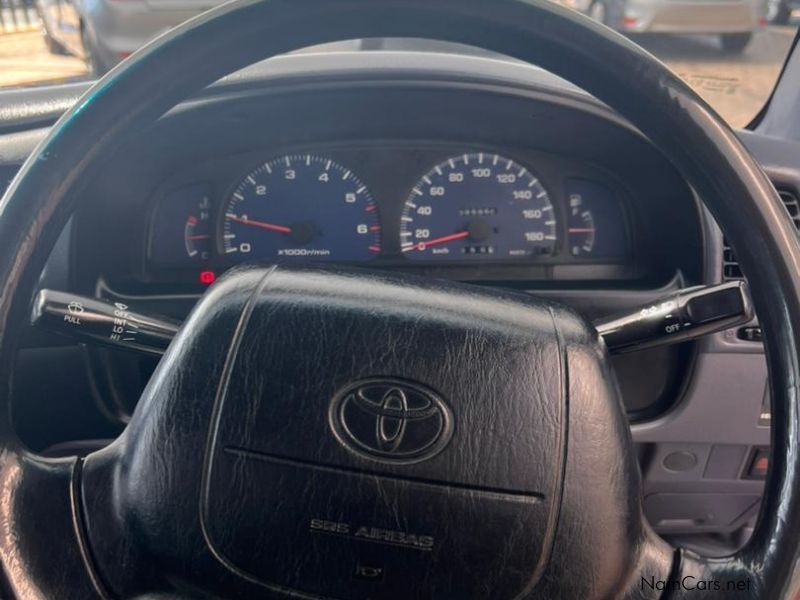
<point>376,436</point>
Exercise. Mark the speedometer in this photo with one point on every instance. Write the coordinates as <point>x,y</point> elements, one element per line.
<point>300,207</point>
<point>478,206</point>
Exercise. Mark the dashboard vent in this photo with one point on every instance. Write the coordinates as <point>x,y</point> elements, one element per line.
<point>792,204</point>
<point>730,266</point>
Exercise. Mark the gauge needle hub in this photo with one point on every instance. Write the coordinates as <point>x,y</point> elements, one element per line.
<point>260,224</point>
<point>440,240</point>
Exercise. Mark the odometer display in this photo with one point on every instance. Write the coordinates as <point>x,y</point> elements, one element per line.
<point>478,206</point>
<point>300,207</point>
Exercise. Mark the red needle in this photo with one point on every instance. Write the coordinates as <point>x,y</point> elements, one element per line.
<point>261,224</point>
<point>439,240</point>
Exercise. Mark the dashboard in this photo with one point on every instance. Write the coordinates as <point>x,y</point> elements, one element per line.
<point>388,205</point>
<point>547,190</point>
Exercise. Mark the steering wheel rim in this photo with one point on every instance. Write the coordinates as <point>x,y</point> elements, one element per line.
<point>39,201</point>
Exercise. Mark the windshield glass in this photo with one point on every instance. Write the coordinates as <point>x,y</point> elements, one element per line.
<point>730,51</point>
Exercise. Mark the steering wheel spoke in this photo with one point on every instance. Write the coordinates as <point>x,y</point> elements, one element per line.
<point>699,576</point>
<point>40,503</point>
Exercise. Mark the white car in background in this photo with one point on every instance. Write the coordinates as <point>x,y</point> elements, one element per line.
<point>103,32</point>
<point>734,21</point>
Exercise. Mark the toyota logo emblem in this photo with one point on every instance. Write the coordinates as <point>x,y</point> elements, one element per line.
<point>391,420</point>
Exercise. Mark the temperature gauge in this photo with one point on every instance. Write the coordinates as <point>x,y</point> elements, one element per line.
<point>197,231</point>
<point>180,230</point>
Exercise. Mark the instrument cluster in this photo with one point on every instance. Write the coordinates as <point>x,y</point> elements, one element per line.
<point>477,207</point>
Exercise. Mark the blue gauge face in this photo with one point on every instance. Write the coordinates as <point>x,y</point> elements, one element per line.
<point>301,207</point>
<point>478,206</point>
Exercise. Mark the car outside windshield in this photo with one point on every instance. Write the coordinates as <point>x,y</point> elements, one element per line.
<point>730,51</point>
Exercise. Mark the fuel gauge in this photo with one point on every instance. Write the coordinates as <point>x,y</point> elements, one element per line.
<point>596,225</point>
<point>581,232</point>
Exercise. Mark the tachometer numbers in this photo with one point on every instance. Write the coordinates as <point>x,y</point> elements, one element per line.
<point>301,207</point>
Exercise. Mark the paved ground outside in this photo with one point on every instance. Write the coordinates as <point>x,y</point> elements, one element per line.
<point>736,85</point>
<point>24,60</point>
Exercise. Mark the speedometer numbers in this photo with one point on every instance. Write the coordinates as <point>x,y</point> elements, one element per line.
<point>301,207</point>
<point>478,206</point>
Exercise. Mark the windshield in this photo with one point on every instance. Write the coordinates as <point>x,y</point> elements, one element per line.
<point>730,51</point>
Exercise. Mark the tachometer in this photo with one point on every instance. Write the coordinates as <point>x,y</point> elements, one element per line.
<point>478,206</point>
<point>301,207</point>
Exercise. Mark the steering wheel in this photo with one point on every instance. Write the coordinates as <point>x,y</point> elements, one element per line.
<point>328,433</point>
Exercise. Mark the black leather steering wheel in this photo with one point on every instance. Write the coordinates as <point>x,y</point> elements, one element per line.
<point>241,475</point>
